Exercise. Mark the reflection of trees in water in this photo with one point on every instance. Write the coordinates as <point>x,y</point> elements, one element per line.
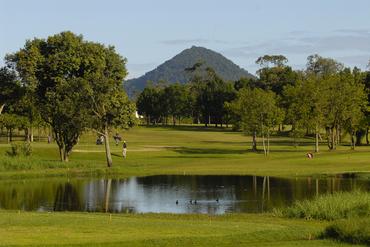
<point>67,198</point>
<point>107,194</point>
<point>27,194</point>
<point>236,193</point>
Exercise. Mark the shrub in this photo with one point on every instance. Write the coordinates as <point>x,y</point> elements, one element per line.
<point>340,205</point>
<point>355,231</point>
<point>20,149</point>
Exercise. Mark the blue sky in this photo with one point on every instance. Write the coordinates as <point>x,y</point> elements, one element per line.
<point>149,32</point>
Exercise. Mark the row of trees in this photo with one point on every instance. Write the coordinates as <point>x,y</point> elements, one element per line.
<point>203,99</point>
<point>325,96</point>
<point>69,84</point>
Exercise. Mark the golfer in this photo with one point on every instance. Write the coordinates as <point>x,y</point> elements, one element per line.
<point>124,149</point>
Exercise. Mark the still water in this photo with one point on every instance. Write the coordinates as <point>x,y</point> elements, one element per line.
<point>213,194</point>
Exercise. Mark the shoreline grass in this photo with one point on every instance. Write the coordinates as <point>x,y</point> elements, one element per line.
<point>339,205</point>
<point>347,212</point>
<point>353,231</point>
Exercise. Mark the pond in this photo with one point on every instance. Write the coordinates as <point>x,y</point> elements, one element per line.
<point>169,194</point>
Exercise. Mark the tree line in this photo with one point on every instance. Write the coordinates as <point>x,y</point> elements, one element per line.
<point>325,99</point>
<point>71,85</point>
<point>68,84</point>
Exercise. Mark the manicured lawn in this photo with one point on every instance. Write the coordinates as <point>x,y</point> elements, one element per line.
<point>87,229</point>
<point>180,150</point>
<point>187,150</point>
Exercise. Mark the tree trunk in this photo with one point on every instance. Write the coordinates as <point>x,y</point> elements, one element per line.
<point>316,139</point>
<point>330,138</point>
<point>359,135</point>
<point>8,135</point>
<point>2,108</point>
<point>107,147</point>
<point>333,141</point>
<point>66,156</point>
<point>268,141</point>
<point>264,144</point>
<point>254,142</point>
<point>352,140</point>
<point>31,134</point>
<point>367,136</point>
<point>38,133</point>
<point>26,135</point>
<point>62,153</point>
<point>338,135</point>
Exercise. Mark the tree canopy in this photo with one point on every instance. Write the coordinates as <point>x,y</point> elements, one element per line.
<point>77,86</point>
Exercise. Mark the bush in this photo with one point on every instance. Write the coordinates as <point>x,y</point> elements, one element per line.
<point>355,231</point>
<point>24,149</point>
<point>340,205</point>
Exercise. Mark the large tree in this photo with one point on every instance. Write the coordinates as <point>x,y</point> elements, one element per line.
<point>178,101</point>
<point>77,84</point>
<point>10,88</point>
<point>306,101</point>
<point>258,113</point>
<point>109,104</point>
<point>150,104</point>
<point>321,66</point>
<point>345,106</point>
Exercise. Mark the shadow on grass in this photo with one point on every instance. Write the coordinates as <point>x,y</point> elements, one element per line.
<point>243,143</point>
<point>186,150</point>
<point>190,128</point>
<point>116,155</point>
<point>272,143</point>
<point>205,151</point>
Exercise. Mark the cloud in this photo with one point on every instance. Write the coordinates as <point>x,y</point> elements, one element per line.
<point>352,46</point>
<point>349,46</point>
<point>353,31</point>
<point>355,59</point>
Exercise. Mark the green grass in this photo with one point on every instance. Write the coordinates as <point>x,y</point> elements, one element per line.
<point>356,231</point>
<point>350,210</point>
<point>179,150</point>
<point>340,205</point>
<point>186,150</point>
<point>87,229</point>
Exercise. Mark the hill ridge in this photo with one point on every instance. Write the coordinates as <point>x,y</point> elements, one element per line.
<point>173,70</point>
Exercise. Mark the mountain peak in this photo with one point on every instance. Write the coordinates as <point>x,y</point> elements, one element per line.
<point>173,70</point>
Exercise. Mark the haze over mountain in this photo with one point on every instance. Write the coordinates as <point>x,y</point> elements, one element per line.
<point>173,70</point>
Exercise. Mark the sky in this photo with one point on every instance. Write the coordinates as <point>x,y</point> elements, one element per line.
<point>149,32</point>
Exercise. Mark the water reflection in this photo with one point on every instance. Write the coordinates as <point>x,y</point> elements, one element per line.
<point>213,194</point>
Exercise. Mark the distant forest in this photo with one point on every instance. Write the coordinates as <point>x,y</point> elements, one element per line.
<point>326,96</point>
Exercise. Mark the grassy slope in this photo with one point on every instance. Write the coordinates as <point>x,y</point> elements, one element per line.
<point>187,150</point>
<point>85,229</point>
